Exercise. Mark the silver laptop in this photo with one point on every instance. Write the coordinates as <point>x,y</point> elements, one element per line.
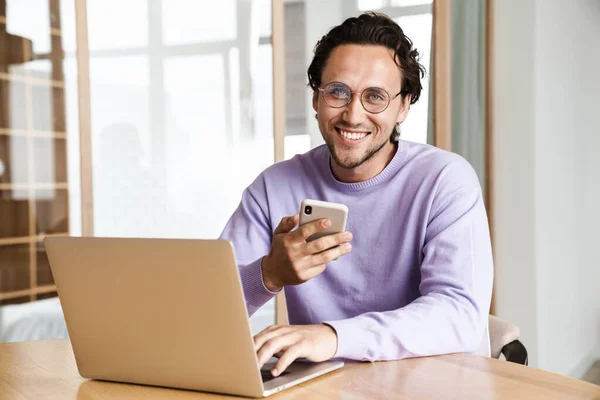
<point>162,312</point>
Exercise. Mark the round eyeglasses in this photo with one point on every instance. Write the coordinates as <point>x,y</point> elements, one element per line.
<point>375,100</point>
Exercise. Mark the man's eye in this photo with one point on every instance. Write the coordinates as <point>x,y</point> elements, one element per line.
<point>338,93</point>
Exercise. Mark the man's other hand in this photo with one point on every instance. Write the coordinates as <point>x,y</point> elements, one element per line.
<point>290,342</point>
<point>292,260</point>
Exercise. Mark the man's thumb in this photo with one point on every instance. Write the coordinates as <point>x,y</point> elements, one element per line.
<point>287,224</point>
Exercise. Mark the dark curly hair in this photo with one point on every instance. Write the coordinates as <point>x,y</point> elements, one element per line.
<point>372,28</point>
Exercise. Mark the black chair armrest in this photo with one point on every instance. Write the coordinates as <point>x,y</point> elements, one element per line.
<point>515,352</point>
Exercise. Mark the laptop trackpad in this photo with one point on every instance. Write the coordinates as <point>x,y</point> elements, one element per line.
<point>298,372</point>
<point>265,371</point>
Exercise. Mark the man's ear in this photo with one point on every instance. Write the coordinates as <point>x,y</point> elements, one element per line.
<point>404,109</point>
<point>315,100</point>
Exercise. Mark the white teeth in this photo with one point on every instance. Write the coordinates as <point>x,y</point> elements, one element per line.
<point>353,135</point>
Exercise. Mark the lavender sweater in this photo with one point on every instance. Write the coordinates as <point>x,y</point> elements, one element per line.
<point>418,280</point>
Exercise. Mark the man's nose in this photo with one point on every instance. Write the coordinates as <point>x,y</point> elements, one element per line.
<point>354,113</point>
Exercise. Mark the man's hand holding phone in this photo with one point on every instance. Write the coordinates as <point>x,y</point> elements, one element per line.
<point>294,260</point>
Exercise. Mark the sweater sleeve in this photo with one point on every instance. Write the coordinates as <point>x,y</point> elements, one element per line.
<point>249,229</point>
<point>456,283</point>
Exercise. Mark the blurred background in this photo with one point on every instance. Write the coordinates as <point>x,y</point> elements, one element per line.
<point>148,118</point>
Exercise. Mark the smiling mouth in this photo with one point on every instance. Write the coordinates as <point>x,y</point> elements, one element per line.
<point>352,135</point>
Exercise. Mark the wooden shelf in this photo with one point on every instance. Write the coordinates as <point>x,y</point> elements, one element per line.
<point>30,80</point>
<point>15,240</point>
<point>27,239</point>
<point>33,133</point>
<point>35,186</point>
<point>28,292</point>
<point>32,114</point>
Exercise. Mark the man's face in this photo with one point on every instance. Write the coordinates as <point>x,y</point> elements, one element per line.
<point>356,137</point>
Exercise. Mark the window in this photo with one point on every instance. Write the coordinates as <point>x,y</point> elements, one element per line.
<point>181,115</point>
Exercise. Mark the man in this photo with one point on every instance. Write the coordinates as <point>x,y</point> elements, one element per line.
<point>414,276</point>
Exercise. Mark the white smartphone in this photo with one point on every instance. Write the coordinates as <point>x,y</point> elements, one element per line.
<point>311,210</point>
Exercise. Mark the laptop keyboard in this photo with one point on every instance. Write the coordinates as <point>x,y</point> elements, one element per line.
<point>267,376</point>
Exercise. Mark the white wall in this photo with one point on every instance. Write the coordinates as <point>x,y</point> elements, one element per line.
<point>546,174</point>
<point>513,168</point>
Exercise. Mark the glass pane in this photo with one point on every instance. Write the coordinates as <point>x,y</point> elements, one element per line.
<point>14,267</point>
<point>364,5</point>
<point>39,69</point>
<point>185,22</point>
<point>34,26</point>
<point>48,104</point>
<point>120,141</point>
<point>176,137</point>
<point>14,215</point>
<point>192,98</point>
<point>302,132</point>
<point>12,109</point>
<point>124,73</point>
<point>72,144</point>
<point>263,10</point>
<point>117,24</point>
<point>14,155</point>
<point>52,211</point>
<point>50,160</point>
<point>418,29</point>
<point>34,140</point>
<point>262,88</point>
<point>33,46</point>
<point>404,3</point>
<point>67,29</point>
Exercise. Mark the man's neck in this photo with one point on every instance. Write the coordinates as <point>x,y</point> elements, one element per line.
<point>367,170</point>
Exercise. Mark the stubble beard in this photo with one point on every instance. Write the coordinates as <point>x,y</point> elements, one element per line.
<point>350,164</point>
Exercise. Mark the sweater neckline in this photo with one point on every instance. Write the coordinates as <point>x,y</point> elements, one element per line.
<point>390,170</point>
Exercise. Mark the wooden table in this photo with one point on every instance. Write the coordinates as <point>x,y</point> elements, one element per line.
<point>47,370</point>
